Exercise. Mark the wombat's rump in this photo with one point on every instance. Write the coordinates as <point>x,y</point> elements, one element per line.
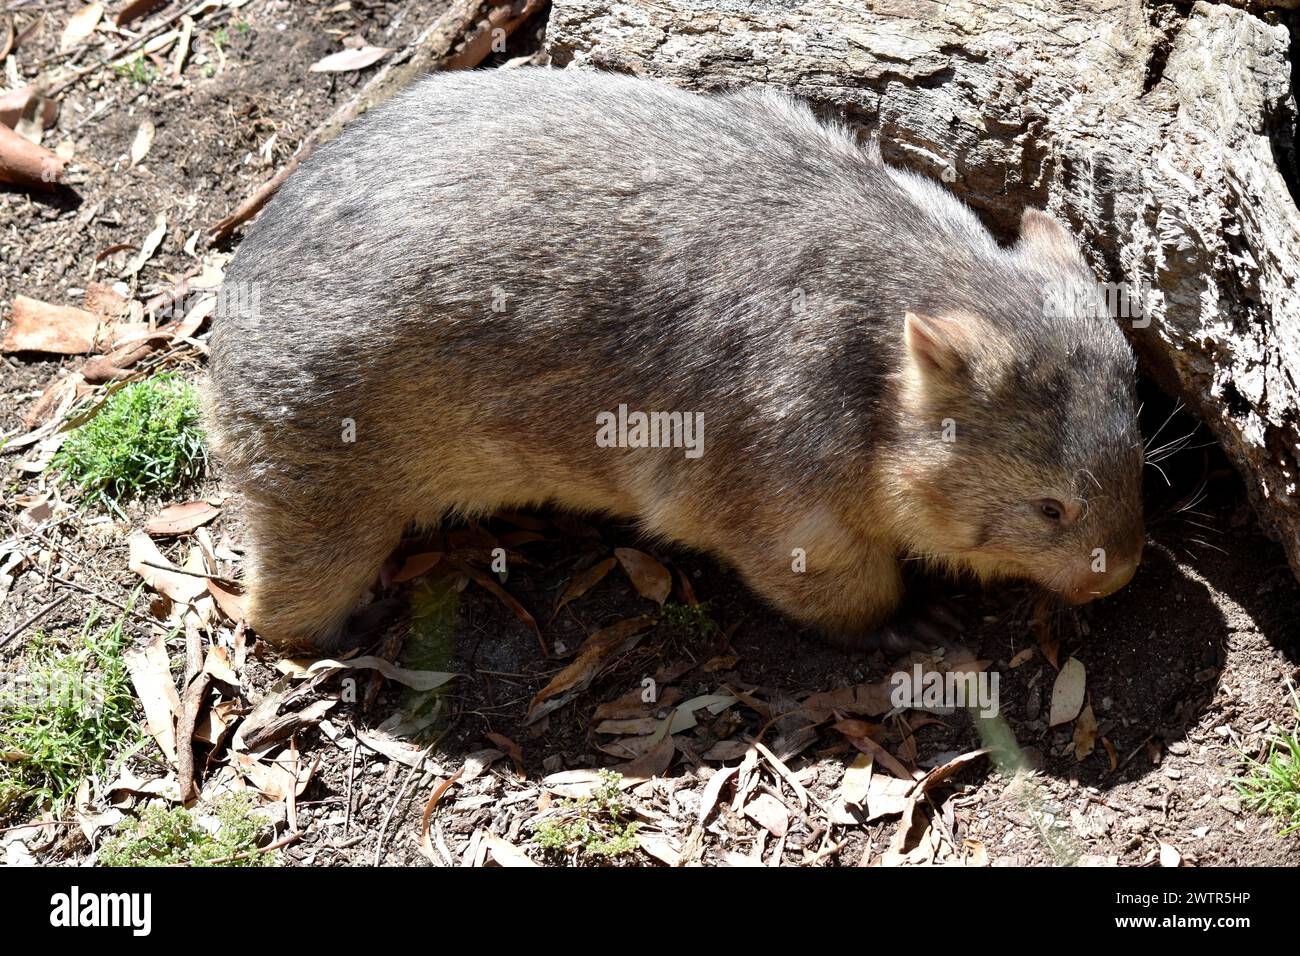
<point>444,310</point>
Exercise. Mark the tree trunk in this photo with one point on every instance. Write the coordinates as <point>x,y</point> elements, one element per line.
<point>1164,135</point>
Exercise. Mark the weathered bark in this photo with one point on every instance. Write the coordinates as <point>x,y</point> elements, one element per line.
<point>1156,134</point>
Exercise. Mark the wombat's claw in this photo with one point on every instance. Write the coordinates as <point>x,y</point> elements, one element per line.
<point>893,641</point>
<point>930,627</point>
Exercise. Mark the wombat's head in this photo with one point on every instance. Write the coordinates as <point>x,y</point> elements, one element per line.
<point>1021,453</point>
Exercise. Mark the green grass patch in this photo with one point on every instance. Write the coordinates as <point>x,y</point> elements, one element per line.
<point>145,438</point>
<point>1272,785</point>
<point>65,712</point>
<point>164,836</point>
<point>138,69</point>
<point>593,828</point>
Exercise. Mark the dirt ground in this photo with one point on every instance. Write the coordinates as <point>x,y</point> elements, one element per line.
<point>1186,668</point>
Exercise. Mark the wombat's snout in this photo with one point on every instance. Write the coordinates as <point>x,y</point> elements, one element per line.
<point>1097,584</point>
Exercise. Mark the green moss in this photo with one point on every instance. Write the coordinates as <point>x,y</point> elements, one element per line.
<point>689,620</point>
<point>593,827</point>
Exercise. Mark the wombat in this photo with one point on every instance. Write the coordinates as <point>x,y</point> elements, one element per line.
<point>715,314</point>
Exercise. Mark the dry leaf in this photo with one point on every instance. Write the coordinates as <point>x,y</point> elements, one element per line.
<point>24,102</point>
<point>490,583</point>
<point>663,848</point>
<point>143,141</point>
<point>712,790</point>
<point>134,9</point>
<point>1085,733</point>
<point>151,676</point>
<point>976,854</point>
<point>1169,856</point>
<point>857,780</point>
<point>769,813</point>
<point>228,599</point>
<point>149,246</point>
<point>1023,657</point>
<point>1047,640</point>
<point>870,699</point>
<point>416,680</point>
<point>886,797</point>
<point>650,578</point>
<point>160,574</point>
<point>583,582</point>
<point>506,854</point>
<point>278,779</point>
<point>632,704</point>
<point>653,764</point>
<point>102,299</point>
<point>1068,692</point>
<point>217,663</point>
<point>512,750</point>
<point>596,654</point>
<point>911,824</point>
<point>36,326</point>
<point>1111,753</point>
<point>81,25</point>
<point>181,518</point>
<point>346,60</point>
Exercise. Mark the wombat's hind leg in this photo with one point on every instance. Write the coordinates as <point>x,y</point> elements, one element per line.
<point>305,576</point>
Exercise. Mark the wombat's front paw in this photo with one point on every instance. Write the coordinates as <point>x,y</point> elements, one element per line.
<point>919,629</point>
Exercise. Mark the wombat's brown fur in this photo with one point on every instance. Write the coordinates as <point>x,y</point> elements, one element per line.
<point>432,316</point>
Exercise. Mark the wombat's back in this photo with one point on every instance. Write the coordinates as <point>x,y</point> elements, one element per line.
<point>525,248</point>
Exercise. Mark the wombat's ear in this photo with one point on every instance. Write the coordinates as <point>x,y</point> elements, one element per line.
<point>941,345</point>
<point>1043,237</point>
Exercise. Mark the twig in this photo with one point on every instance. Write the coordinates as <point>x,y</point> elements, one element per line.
<point>37,825</point>
<point>352,773</point>
<point>194,574</point>
<point>33,619</point>
<point>270,847</point>
<point>195,691</point>
<point>107,600</point>
<point>401,795</point>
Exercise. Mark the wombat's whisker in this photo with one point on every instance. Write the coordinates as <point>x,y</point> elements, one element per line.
<point>1178,407</point>
<point>1152,464</point>
<point>1175,446</point>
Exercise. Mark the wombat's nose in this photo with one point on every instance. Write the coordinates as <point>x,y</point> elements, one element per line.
<point>1100,584</point>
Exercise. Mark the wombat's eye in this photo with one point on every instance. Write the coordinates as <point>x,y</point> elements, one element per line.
<point>1051,509</point>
